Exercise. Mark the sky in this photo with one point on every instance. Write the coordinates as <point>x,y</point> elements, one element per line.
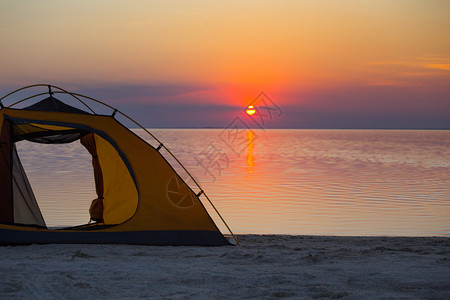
<point>319,64</point>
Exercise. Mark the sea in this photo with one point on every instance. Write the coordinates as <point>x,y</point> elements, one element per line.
<point>279,181</point>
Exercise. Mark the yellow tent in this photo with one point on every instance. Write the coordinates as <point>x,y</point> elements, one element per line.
<point>140,197</point>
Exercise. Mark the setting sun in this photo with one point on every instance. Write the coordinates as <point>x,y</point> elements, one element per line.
<point>250,110</point>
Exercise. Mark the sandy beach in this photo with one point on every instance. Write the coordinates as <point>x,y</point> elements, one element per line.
<point>266,266</point>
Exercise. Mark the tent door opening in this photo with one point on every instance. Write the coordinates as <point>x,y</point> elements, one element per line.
<point>62,180</point>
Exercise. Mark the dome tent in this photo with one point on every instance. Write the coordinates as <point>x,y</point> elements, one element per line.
<point>133,181</point>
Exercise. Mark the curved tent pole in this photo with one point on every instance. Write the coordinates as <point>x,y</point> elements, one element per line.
<point>27,98</point>
<point>161,145</point>
<point>26,87</point>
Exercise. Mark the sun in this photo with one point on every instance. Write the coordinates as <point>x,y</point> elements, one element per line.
<point>250,110</point>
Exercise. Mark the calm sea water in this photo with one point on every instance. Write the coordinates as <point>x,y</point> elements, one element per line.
<point>326,182</point>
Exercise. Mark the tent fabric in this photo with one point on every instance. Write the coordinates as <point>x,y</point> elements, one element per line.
<point>26,209</point>
<point>96,209</point>
<point>6,203</point>
<point>141,191</point>
<point>46,134</point>
<point>55,105</point>
<point>117,184</point>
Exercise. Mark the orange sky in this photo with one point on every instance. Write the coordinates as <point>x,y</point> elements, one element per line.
<point>228,50</point>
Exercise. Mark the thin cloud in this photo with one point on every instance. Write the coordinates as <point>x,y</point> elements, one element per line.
<point>423,71</point>
<point>445,67</point>
<point>144,93</point>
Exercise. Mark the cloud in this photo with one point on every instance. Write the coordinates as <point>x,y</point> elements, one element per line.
<point>152,91</point>
<point>445,67</point>
<point>422,71</point>
<point>181,115</point>
<point>145,93</point>
<point>381,106</point>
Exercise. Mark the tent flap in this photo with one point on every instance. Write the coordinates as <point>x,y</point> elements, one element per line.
<point>26,209</point>
<point>6,203</point>
<point>120,196</point>
<point>96,209</point>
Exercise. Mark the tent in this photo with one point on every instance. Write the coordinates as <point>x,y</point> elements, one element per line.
<point>134,203</point>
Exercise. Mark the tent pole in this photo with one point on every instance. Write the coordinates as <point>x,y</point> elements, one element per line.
<point>63,91</point>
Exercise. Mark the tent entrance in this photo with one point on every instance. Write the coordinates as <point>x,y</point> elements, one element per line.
<point>74,167</point>
<point>62,180</point>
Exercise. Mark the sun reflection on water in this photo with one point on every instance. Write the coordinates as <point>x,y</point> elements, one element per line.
<point>250,149</point>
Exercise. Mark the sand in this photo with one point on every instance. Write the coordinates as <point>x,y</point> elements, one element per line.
<point>265,267</point>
